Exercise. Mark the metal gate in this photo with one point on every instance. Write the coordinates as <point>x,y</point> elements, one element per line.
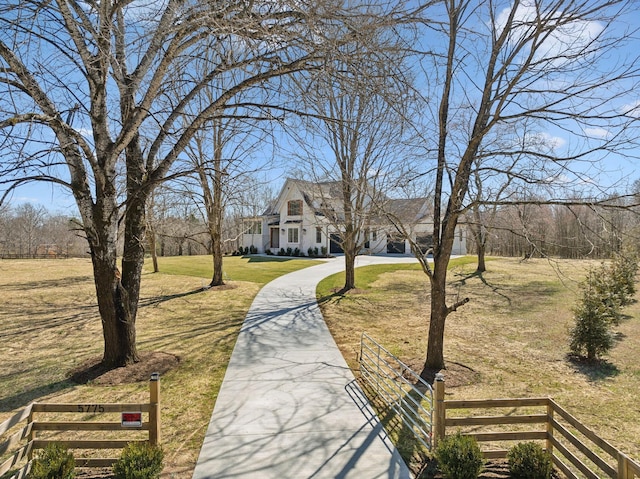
<point>400,388</point>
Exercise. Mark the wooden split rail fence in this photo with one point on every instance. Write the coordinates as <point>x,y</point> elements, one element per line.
<point>576,450</point>
<point>37,432</point>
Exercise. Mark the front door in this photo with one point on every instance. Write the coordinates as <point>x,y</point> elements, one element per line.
<point>274,240</point>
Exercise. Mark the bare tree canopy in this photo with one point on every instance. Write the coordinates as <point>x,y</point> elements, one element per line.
<point>94,96</point>
<point>520,93</point>
<point>351,139</point>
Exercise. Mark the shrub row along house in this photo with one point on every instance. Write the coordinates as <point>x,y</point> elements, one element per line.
<point>309,216</point>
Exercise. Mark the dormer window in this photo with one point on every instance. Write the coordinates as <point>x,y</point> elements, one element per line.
<point>294,208</point>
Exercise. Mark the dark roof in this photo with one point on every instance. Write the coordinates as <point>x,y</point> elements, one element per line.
<point>325,197</point>
<point>407,210</point>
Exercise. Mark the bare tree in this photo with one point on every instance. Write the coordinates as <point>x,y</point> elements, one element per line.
<point>224,153</point>
<point>28,223</point>
<point>355,131</point>
<point>535,67</point>
<point>222,159</point>
<point>89,101</point>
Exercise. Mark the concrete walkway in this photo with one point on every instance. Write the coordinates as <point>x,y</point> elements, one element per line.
<point>289,406</point>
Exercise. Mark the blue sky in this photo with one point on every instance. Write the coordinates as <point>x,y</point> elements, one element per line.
<point>615,171</point>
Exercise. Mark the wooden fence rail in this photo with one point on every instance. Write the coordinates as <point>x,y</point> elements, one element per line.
<point>576,450</point>
<point>21,442</point>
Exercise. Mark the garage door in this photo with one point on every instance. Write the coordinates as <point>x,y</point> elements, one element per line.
<point>334,244</point>
<point>395,245</point>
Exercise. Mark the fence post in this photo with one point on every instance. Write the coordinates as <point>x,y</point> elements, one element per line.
<point>623,467</point>
<point>440,415</point>
<point>154,411</point>
<point>550,416</point>
<point>32,435</point>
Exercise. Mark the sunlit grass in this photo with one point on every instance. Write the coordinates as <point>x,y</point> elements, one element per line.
<point>513,335</point>
<point>49,325</point>
<point>366,276</point>
<point>252,268</point>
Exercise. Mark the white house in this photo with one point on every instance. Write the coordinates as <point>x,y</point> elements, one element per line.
<point>297,219</point>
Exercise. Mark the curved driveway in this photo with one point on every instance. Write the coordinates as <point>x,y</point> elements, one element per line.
<point>289,406</point>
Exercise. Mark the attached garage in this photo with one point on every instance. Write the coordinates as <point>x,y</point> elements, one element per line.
<point>334,244</point>
<point>396,245</point>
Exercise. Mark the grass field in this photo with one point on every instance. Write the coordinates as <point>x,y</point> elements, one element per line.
<point>49,325</point>
<point>512,336</point>
<point>255,269</point>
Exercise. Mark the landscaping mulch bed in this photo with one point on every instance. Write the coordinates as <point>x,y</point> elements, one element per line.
<point>92,371</point>
<point>101,473</point>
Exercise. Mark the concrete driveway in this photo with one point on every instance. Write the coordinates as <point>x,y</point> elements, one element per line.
<point>289,406</point>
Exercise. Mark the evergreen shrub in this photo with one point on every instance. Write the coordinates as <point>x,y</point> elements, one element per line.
<point>139,460</point>
<point>527,460</point>
<point>53,462</point>
<point>591,336</point>
<point>459,457</point>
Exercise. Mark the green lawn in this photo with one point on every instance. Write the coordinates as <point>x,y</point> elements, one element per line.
<point>49,325</point>
<point>512,335</point>
<point>252,268</point>
<point>510,340</point>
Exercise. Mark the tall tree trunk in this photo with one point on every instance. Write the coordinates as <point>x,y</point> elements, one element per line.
<point>118,328</point>
<point>151,232</point>
<point>481,268</point>
<point>211,184</point>
<point>133,255</point>
<point>114,299</point>
<point>215,230</point>
<point>153,250</point>
<point>438,317</point>
<point>217,279</point>
<point>349,269</point>
<point>217,208</point>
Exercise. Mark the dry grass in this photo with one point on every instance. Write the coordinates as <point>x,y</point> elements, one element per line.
<point>49,324</point>
<point>513,335</point>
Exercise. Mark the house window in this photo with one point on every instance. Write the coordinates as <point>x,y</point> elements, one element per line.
<point>294,208</point>
<point>292,235</point>
<point>254,228</point>
<point>374,235</point>
<point>318,234</point>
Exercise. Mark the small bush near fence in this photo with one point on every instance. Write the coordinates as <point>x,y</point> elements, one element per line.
<point>53,462</point>
<point>459,457</point>
<point>139,461</point>
<point>527,460</point>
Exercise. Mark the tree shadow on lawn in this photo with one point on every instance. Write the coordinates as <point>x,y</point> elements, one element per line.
<point>10,403</point>
<point>65,282</point>
<point>92,369</point>
<point>595,370</point>
<point>465,277</point>
<point>168,297</point>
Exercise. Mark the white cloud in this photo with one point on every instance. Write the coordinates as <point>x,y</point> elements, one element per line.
<point>547,140</point>
<point>27,199</point>
<point>567,39</point>
<point>597,132</point>
<point>631,109</point>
